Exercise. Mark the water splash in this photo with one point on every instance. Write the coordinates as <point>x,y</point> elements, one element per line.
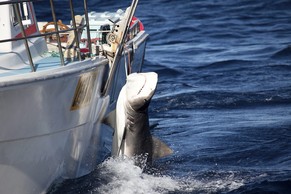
<point>124,176</point>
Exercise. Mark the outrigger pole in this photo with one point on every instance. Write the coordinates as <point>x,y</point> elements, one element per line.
<point>119,49</point>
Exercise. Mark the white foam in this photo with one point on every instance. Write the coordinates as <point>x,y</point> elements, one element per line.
<point>124,177</point>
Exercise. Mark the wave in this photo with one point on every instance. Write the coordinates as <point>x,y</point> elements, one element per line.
<point>182,32</point>
<point>265,187</point>
<point>161,70</point>
<point>251,65</point>
<point>222,99</point>
<point>280,67</point>
<point>226,64</point>
<point>283,54</point>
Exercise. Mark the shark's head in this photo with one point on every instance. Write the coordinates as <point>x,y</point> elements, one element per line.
<point>140,89</point>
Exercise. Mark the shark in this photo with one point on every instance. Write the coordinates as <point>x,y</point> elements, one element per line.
<point>132,135</point>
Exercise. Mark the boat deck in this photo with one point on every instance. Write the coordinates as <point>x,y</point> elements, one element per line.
<point>45,63</point>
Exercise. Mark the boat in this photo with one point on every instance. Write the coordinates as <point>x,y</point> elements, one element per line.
<point>57,84</point>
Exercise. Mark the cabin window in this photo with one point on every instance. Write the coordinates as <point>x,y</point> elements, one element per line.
<point>24,14</point>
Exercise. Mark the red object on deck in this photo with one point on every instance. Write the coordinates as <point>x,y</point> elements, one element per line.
<point>141,27</point>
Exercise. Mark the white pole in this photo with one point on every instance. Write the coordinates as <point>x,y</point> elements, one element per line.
<point>25,10</point>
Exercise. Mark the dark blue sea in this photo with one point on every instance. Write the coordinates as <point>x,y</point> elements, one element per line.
<point>223,101</point>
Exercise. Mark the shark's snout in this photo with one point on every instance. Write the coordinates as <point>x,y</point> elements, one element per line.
<point>140,88</point>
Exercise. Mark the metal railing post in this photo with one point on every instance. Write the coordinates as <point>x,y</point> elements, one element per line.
<point>57,33</point>
<point>25,39</point>
<point>88,28</point>
<point>75,30</point>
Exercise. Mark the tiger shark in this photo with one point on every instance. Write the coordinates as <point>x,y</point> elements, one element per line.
<point>132,135</point>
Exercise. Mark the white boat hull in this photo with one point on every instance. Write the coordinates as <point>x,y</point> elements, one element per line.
<point>46,127</point>
<point>50,122</point>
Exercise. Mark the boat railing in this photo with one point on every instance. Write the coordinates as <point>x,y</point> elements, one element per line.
<point>57,32</point>
<point>134,29</point>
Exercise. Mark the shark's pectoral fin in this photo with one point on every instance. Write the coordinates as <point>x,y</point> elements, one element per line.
<point>160,149</point>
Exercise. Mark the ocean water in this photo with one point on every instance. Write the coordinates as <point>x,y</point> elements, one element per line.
<point>223,102</point>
